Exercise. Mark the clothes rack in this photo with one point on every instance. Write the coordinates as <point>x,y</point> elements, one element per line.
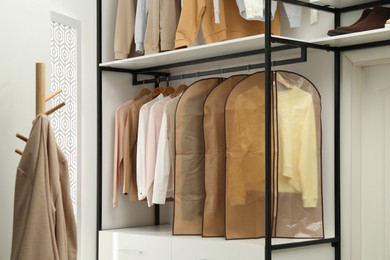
<point>161,75</point>
<point>41,98</point>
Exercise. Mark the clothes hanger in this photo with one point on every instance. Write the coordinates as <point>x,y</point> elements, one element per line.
<point>143,92</point>
<point>168,90</point>
<point>157,91</point>
<point>179,89</point>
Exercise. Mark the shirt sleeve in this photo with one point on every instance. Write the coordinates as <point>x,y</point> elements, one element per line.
<point>140,25</point>
<point>308,163</point>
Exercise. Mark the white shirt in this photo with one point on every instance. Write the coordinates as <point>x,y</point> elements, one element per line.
<point>165,158</point>
<point>143,122</point>
<point>155,117</point>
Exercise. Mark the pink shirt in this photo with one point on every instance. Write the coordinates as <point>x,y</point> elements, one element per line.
<point>155,118</point>
<point>120,122</point>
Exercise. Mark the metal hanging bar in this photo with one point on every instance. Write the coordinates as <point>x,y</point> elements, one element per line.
<point>302,58</point>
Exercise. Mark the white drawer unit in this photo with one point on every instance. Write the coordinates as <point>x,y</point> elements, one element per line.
<point>196,248</point>
<point>150,243</point>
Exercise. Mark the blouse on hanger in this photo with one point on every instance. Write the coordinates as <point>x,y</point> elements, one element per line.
<point>155,116</point>
<point>165,158</point>
<point>120,122</point>
<point>143,124</point>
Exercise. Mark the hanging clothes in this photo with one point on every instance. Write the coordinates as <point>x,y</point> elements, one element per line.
<point>215,157</point>
<point>295,158</point>
<point>141,17</point>
<point>130,148</point>
<point>143,125</point>
<point>124,29</point>
<point>161,26</point>
<point>255,10</point>
<point>120,122</point>
<point>299,212</point>
<point>44,224</point>
<point>189,161</point>
<point>196,13</point>
<point>165,159</point>
<point>155,117</point>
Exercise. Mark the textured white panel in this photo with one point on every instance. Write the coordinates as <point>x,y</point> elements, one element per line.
<point>64,75</point>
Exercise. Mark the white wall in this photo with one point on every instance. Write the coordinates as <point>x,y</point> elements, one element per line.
<point>25,28</point>
<point>25,40</point>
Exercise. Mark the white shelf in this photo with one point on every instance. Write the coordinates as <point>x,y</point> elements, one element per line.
<point>197,52</point>
<point>339,3</point>
<point>355,38</point>
<point>240,45</point>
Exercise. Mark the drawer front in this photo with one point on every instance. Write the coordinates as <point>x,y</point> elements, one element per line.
<point>119,246</point>
<point>214,249</point>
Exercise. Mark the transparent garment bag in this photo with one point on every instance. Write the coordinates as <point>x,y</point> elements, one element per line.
<point>299,178</point>
<point>245,159</point>
<point>189,161</point>
<point>215,157</point>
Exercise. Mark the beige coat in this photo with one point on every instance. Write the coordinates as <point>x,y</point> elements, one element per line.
<point>44,226</point>
<point>161,26</point>
<point>130,148</point>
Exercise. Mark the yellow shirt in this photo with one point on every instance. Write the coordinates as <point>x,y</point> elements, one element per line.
<point>298,166</point>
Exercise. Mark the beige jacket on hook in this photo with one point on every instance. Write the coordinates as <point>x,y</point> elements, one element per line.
<point>44,226</point>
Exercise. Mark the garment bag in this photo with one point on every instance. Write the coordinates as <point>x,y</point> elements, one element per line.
<point>299,210</point>
<point>215,157</point>
<point>245,159</point>
<point>189,161</point>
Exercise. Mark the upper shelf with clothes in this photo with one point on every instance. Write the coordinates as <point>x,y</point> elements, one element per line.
<point>236,48</point>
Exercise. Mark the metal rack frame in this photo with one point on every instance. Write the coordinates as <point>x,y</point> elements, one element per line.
<point>159,76</point>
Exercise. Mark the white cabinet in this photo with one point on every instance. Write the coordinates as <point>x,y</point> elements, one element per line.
<point>151,243</point>
<point>157,243</point>
<point>195,248</point>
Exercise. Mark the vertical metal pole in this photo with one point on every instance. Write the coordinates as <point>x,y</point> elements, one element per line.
<point>337,193</point>
<point>99,125</point>
<point>268,123</point>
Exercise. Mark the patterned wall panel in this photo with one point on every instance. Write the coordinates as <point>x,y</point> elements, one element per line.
<point>64,75</point>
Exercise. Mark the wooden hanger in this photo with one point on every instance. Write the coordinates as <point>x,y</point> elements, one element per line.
<point>180,89</point>
<point>157,91</point>
<point>142,92</point>
<point>168,90</point>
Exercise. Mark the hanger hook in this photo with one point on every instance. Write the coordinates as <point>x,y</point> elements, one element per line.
<point>249,69</point>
